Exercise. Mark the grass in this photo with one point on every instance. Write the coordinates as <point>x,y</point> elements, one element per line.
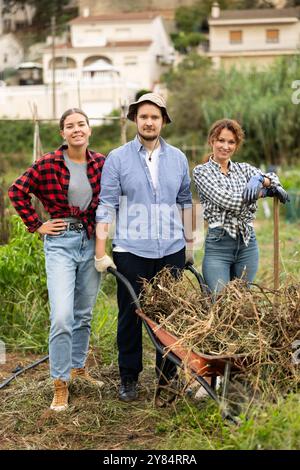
<point>272,427</point>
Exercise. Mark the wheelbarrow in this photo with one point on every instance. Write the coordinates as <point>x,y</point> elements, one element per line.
<point>200,366</point>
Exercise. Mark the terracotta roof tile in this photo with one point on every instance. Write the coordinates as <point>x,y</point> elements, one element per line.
<point>262,13</point>
<point>141,15</point>
<point>136,43</point>
<point>145,43</point>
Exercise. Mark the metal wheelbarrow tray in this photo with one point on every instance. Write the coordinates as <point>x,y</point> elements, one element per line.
<point>199,365</point>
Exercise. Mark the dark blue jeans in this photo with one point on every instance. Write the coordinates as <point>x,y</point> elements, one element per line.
<point>129,335</point>
<point>226,258</point>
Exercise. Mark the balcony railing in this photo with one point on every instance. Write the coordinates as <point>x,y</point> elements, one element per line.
<point>74,75</point>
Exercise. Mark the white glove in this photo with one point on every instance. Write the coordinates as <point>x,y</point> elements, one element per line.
<point>189,255</point>
<point>101,264</point>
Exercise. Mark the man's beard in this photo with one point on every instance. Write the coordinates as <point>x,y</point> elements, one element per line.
<point>148,138</point>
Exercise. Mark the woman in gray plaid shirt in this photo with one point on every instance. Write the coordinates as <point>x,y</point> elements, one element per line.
<point>228,192</point>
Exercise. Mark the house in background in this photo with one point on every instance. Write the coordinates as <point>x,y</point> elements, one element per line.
<point>107,59</point>
<point>136,46</point>
<point>252,37</point>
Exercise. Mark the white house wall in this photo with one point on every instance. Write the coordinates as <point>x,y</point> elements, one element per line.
<point>15,102</point>
<point>140,74</point>
<point>87,34</point>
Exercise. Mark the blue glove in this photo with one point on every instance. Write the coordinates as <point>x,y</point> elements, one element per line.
<point>278,192</point>
<point>253,188</point>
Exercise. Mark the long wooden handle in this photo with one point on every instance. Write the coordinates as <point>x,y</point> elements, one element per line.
<point>276,241</point>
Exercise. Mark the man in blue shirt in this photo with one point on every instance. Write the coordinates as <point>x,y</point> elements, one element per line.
<point>145,186</point>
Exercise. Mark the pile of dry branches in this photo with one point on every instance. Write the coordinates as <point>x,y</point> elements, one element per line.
<point>260,324</point>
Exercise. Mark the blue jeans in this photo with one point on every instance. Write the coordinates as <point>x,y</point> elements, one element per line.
<point>226,258</point>
<point>73,285</point>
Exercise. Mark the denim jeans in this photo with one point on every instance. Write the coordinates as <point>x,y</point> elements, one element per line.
<point>73,285</point>
<point>226,258</point>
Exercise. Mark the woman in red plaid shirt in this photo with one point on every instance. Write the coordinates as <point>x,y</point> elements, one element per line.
<point>67,182</point>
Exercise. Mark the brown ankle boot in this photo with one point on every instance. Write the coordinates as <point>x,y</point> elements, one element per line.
<point>61,395</point>
<point>82,373</point>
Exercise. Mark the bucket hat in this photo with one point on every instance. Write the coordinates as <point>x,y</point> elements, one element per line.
<point>152,98</point>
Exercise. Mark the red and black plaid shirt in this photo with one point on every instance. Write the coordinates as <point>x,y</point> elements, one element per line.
<point>48,179</point>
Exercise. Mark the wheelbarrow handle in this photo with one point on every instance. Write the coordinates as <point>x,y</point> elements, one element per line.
<point>127,284</point>
<point>204,287</point>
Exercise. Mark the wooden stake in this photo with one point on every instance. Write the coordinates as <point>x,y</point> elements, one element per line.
<point>123,123</point>
<point>276,241</point>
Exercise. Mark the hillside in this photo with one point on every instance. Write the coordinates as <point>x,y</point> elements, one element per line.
<point>110,6</point>
<point>167,7</point>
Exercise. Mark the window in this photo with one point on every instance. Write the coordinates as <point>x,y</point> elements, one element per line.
<point>236,37</point>
<point>123,30</point>
<point>123,33</point>
<point>130,60</point>
<point>93,31</point>
<point>272,35</point>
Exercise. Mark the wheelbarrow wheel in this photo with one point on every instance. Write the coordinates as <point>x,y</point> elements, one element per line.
<point>164,396</point>
<point>240,393</point>
<point>168,391</point>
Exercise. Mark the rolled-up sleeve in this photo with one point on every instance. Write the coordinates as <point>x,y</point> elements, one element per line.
<point>184,197</point>
<point>110,190</point>
<point>250,170</point>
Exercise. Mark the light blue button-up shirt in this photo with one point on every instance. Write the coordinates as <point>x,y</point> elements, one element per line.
<point>148,221</point>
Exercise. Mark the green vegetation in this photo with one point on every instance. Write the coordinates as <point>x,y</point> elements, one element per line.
<point>272,427</point>
<point>260,100</point>
<point>23,308</point>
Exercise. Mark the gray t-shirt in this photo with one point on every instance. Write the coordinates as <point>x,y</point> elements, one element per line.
<point>80,191</point>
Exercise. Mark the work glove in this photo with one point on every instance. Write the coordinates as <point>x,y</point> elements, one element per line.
<point>252,190</point>
<point>189,255</point>
<point>278,192</point>
<point>101,264</point>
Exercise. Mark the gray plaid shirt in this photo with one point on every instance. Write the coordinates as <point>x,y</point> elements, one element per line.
<point>222,195</point>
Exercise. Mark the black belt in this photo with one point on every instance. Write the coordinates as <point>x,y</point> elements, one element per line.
<point>76,226</point>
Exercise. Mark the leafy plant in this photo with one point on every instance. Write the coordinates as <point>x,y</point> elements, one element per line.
<point>23,291</point>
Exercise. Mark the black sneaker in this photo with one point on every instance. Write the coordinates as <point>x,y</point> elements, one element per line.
<point>128,391</point>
